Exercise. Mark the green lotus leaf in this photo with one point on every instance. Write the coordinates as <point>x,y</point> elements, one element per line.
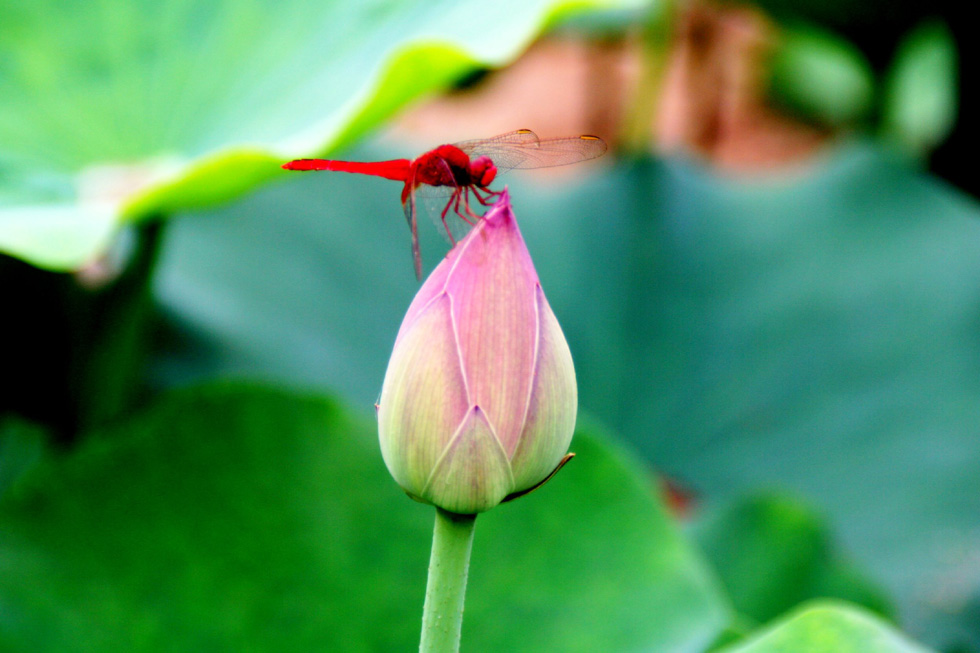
<point>235,517</point>
<point>828,627</point>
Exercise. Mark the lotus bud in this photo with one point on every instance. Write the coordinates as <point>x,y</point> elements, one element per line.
<point>479,399</point>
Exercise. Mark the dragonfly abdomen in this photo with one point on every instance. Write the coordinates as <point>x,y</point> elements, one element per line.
<point>396,169</point>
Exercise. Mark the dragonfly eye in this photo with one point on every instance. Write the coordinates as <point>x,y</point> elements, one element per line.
<point>488,175</point>
<point>483,171</point>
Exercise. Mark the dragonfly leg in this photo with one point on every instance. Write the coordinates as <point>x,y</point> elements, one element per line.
<point>442,216</point>
<point>481,199</point>
<point>469,211</point>
<point>464,199</point>
<point>485,201</point>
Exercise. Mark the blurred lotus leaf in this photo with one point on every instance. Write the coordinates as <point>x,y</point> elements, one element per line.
<point>815,332</point>
<point>826,627</point>
<point>773,552</point>
<point>119,111</point>
<point>235,517</point>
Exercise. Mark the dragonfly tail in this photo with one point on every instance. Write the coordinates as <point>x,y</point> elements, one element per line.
<point>396,169</point>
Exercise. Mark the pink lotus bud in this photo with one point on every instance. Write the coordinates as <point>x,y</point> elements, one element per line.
<point>479,400</point>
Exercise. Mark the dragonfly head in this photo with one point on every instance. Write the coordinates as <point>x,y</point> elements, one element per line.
<point>482,171</point>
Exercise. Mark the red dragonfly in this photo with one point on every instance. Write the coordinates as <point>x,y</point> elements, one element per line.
<point>460,170</point>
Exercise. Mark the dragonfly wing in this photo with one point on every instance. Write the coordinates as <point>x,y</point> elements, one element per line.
<point>411,214</point>
<point>516,137</point>
<point>439,203</point>
<point>505,150</point>
<point>523,150</point>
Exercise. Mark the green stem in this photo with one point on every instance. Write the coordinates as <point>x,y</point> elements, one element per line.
<point>442,617</point>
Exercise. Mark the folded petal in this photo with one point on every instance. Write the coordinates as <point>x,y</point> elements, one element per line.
<point>553,404</point>
<point>492,282</point>
<point>423,400</point>
<point>473,474</point>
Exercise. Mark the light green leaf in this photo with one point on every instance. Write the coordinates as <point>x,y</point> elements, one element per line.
<point>188,104</point>
<point>921,91</point>
<point>822,76</point>
<point>59,237</point>
<point>239,518</point>
<point>826,627</point>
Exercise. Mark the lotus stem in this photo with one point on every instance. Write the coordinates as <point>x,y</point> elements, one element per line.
<point>442,617</point>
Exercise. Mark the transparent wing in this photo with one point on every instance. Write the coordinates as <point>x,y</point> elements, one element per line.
<point>505,150</point>
<point>522,149</point>
<point>433,200</point>
<point>411,215</point>
<point>447,206</point>
<point>516,137</point>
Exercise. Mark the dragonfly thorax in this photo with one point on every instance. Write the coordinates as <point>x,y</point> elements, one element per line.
<point>447,165</point>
